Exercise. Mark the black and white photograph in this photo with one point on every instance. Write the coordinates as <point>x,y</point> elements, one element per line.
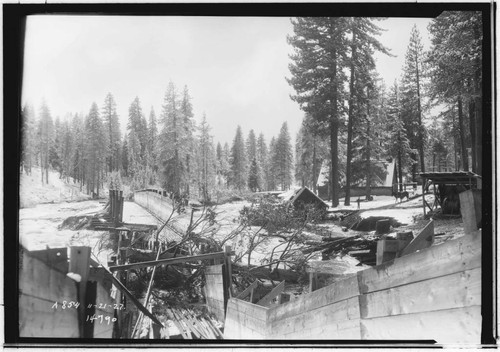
<point>302,174</point>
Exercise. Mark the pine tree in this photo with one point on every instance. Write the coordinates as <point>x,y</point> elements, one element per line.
<point>78,158</point>
<point>363,45</point>
<point>206,162</point>
<point>112,126</point>
<point>399,144</point>
<point>187,139</point>
<point>253,176</point>
<point>238,161</point>
<point>152,140</point>
<point>317,76</point>
<point>411,98</point>
<point>223,166</point>
<point>455,69</point>
<point>272,166</point>
<point>283,158</point>
<point>66,150</point>
<point>135,143</point>
<point>251,146</point>
<point>174,141</point>
<point>29,140</point>
<point>124,156</point>
<point>95,150</point>
<point>45,136</point>
<point>55,149</point>
<point>262,161</point>
<point>311,150</point>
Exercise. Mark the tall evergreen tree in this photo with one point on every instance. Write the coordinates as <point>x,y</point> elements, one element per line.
<point>411,98</point>
<point>455,69</point>
<point>45,134</point>
<point>112,127</point>
<point>251,146</point>
<point>318,77</point>
<point>95,150</point>
<point>175,141</point>
<point>271,166</point>
<point>262,161</point>
<point>136,139</point>
<point>29,140</point>
<point>238,161</point>
<point>311,150</point>
<point>362,46</point>
<point>206,162</point>
<point>187,138</point>
<point>283,158</point>
<point>78,159</point>
<point>399,144</point>
<point>152,139</point>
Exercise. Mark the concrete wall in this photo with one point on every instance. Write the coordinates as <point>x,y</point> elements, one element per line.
<point>434,294</point>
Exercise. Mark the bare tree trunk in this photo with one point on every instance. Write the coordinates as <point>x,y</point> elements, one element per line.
<point>420,125</point>
<point>472,128</point>
<point>464,156</point>
<point>350,122</point>
<point>368,156</point>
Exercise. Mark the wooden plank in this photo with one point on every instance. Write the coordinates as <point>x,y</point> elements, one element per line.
<point>448,258</point>
<point>168,261</point>
<point>229,269</point>
<point>451,326</point>
<point>248,290</point>
<point>79,263</point>
<point>272,295</point>
<point>423,240</point>
<point>470,208</point>
<point>53,257</point>
<point>446,292</point>
<point>330,314</point>
<point>37,318</point>
<point>338,291</point>
<point>39,280</point>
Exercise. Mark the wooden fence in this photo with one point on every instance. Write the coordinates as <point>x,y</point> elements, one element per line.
<point>433,294</point>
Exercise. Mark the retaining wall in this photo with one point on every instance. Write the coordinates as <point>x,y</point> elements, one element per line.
<point>434,294</point>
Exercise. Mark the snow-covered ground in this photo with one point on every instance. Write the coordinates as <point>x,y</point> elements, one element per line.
<point>38,227</point>
<point>33,192</point>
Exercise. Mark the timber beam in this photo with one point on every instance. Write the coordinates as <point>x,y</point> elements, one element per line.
<point>169,261</point>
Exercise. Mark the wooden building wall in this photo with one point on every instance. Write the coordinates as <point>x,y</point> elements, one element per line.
<point>433,294</point>
<point>40,287</point>
<point>215,294</point>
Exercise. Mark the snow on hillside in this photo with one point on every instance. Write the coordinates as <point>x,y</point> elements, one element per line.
<point>33,192</point>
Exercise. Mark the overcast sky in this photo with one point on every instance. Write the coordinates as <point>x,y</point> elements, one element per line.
<point>234,67</point>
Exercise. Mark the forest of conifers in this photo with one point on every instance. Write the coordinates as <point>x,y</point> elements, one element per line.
<point>428,120</point>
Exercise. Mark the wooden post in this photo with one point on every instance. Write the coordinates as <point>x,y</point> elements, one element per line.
<point>272,295</point>
<point>313,277</point>
<point>227,257</point>
<point>470,208</point>
<point>79,264</point>
<point>423,240</point>
<point>120,217</point>
<point>423,196</point>
<point>111,205</point>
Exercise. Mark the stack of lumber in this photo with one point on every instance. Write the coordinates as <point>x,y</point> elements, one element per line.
<point>194,326</point>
